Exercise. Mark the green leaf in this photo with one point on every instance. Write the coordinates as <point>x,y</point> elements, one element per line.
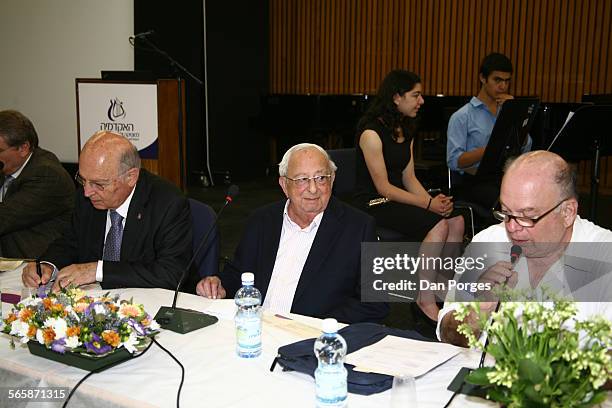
<point>498,395</point>
<point>496,351</point>
<point>533,395</point>
<point>479,376</point>
<point>529,370</point>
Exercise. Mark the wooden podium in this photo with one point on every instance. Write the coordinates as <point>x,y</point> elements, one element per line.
<point>146,112</point>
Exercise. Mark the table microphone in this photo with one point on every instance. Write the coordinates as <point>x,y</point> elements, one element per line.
<point>185,320</point>
<point>515,254</point>
<point>458,385</point>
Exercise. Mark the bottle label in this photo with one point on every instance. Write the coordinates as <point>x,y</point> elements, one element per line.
<point>248,335</point>
<point>331,387</point>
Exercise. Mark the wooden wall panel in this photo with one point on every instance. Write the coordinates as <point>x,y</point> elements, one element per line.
<point>560,48</point>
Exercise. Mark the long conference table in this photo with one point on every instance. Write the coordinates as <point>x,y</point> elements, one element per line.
<point>214,375</point>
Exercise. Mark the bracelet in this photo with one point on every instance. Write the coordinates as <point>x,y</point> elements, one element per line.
<point>428,204</point>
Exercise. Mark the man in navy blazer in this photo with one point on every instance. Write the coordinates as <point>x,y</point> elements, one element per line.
<point>130,228</point>
<point>304,251</point>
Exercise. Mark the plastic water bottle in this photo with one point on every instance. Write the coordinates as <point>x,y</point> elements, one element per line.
<point>330,375</point>
<point>248,318</point>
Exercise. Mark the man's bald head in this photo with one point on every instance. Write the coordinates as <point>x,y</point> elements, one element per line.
<point>539,185</point>
<point>108,169</point>
<point>548,167</point>
<point>112,149</point>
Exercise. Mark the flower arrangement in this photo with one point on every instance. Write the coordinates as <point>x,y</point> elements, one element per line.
<point>72,321</point>
<point>544,356</point>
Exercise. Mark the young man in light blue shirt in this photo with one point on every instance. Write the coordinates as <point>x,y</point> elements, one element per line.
<point>469,129</point>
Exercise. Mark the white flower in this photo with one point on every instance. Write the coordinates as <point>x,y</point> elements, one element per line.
<point>72,342</point>
<point>31,301</point>
<point>58,325</point>
<point>100,309</point>
<point>130,343</point>
<point>154,325</point>
<point>39,336</point>
<point>19,328</point>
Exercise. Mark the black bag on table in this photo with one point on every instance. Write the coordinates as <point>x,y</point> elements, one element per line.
<point>300,356</point>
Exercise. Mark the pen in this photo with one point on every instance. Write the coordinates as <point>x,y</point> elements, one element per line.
<point>39,271</point>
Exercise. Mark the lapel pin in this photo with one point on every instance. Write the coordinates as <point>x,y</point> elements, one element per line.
<point>139,216</point>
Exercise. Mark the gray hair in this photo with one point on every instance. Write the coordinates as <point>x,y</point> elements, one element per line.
<point>129,159</point>
<point>284,164</point>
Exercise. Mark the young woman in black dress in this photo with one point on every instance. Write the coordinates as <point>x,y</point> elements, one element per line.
<point>385,168</point>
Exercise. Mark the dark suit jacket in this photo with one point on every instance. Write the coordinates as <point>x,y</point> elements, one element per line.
<point>36,207</point>
<point>156,244</point>
<point>329,285</point>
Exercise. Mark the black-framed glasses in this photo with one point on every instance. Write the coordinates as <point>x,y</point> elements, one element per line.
<point>302,182</point>
<point>96,185</point>
<point>524,221</point>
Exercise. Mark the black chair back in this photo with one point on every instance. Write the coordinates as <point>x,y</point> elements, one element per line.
<point>344,159</point>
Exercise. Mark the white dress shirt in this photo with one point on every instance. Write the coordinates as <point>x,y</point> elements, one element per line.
<point>293,250</point>
<point>583,231</point>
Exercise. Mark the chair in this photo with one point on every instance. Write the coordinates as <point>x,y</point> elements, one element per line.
<point>345,182</point>
<point>480,217</point>
<point>202,218</point>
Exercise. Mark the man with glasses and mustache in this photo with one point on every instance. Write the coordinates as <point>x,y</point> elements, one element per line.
<point>130,228</point>
<point>36,192</point>
<point>305,250</point>
<point>539,212</point>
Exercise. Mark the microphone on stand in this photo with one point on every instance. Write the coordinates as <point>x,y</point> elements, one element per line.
<point>144,34</point>
<point>515,254</point>
<point>458,385</point>
<point>186,320</point>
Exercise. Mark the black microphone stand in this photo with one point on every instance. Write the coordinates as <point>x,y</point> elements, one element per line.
<point>177,68</point>
<point>181,320</point>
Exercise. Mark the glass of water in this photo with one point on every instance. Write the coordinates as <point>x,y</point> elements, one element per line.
<point>403,393</point>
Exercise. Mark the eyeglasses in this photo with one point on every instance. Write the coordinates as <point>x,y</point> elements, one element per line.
<point>524,221</point>
<point>96,185</point>
<point>302,182</point>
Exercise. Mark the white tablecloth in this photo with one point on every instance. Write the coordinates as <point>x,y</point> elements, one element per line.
<point>214,375</point>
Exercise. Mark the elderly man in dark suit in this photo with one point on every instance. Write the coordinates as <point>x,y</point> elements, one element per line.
<point>36,192</point>
<point>304,251</point>
<point>130,228</point>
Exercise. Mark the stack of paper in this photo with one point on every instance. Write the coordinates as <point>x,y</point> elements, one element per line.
<point>398,356</point>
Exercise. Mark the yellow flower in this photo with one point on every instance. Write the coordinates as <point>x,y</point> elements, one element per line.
<point>130,310</point>
<point>80,307</point>
<point>110,337</point>
<point>25,314</point>
<point>48,335</point>
<point>73,331</point>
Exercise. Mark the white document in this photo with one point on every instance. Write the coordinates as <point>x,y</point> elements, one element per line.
<point>8,264</point>
<point>398,356</point>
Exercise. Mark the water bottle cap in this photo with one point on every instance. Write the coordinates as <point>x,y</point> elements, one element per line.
<point>248,277</point>
<point>330,326</point>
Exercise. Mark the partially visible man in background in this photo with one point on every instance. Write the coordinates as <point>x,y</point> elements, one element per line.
<point>36,192</point>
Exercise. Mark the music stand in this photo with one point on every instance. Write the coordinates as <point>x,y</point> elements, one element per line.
<point>509,133</point>
<point>584,138</point>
